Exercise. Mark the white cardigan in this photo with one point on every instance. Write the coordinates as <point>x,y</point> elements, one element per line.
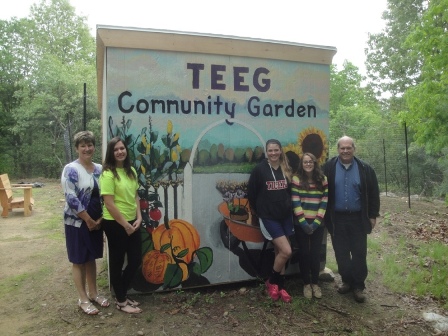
<point>77,184</point>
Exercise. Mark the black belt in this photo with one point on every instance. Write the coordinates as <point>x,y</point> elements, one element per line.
<point>348,212</point>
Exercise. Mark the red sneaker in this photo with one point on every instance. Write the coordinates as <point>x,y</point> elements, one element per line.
<point>272,291</point>
<point>285,296</point>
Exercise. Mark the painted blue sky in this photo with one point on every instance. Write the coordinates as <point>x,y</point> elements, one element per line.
<point>149,75</point>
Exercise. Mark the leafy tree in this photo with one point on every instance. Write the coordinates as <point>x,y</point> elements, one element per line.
<point>428,100</point>
<point>50,105</point>
<point>13,68</point>
<point>390,64</point>
<point>442,189</point>
<point>60,57</point>
<point>353,108</point>
<point>379,135</point>
<point>408,60</point>
<point>58,31</point>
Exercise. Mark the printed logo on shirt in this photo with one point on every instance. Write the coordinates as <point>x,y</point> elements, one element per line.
<point>277,185</point>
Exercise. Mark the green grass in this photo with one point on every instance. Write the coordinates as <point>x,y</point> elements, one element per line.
<point>244,315</point>
<point>386,219</point>
<point>56,236</point>
<point>301,304</point>
<point>331,262</point>
<point>190,302</point>
<point>208,298</point>
<point>45,196</point>
<point>417,268</point>
<point>52,227</point>
<point>434,265</point>
<point>374,246</point>
<point>53,222</point>
<point>15,239</point>
<point>102,279</point>
<point>12,284</point>
<point>17,283</point>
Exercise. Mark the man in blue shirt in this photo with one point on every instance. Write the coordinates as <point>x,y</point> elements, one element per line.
<point>353,206</point>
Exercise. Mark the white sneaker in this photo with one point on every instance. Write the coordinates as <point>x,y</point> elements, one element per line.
<point>316,291</point>
<point>307,292</point>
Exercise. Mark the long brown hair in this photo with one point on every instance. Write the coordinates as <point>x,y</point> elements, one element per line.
<point>110,163</point>
<point>284,164</point>
<point>317,177</point>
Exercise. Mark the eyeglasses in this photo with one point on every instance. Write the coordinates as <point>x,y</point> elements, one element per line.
<point>308,163</point>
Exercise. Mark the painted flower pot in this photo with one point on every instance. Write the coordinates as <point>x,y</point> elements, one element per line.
<point>244,230</point>
<point>242,215</point>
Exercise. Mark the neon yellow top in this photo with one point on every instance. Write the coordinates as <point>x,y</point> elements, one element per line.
<point>123,190</point>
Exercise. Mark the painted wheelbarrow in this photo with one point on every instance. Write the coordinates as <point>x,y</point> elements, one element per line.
<point>241,228</point>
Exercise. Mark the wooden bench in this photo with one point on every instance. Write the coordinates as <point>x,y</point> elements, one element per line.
<point>10,202</point>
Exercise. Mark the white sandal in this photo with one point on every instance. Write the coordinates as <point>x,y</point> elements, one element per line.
<point>90,309</point>
<point>101,300</point>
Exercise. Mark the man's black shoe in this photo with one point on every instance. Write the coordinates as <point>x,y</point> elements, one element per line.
<point>359,295</point>
<point>344,288</point>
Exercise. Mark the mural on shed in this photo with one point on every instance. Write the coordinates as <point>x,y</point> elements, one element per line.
<point>196,125</point>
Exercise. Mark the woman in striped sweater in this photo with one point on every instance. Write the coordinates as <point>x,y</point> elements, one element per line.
<point>309,193</point>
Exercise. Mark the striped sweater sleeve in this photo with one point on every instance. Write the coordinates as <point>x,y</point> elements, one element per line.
<point>309,204</point>
<point>323,203</point>
<point>296,192</point>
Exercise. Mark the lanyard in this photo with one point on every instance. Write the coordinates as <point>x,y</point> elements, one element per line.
<point>273,173</point>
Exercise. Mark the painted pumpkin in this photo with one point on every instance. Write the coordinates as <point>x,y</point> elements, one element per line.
<point>180,234</point>
<point>154,266</point>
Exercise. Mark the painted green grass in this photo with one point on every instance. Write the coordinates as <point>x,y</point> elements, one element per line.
<point>225,168</point>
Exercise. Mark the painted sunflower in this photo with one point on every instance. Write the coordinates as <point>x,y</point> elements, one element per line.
<point>291,147</point>
<point>313,140</point>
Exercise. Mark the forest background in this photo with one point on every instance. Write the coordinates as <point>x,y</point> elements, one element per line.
<point>397,113</point>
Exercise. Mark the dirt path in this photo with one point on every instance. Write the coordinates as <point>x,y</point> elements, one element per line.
<point>38,297</point>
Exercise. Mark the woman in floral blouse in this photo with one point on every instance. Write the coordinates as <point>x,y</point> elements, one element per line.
<point>82,219</point>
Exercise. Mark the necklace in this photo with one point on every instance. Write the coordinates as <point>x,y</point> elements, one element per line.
<point>273,173</point>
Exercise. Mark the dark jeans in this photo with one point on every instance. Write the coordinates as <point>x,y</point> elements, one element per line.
<point>309,254</point>
<point>350,247</point>
<point>120,244</point>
